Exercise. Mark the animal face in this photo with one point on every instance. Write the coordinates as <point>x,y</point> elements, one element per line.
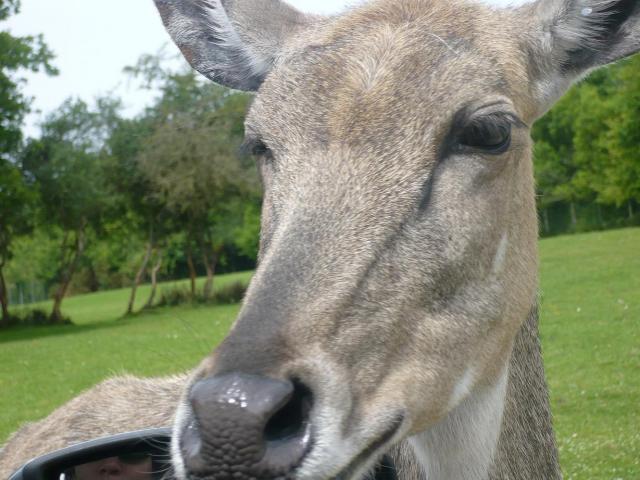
<point>398,247</point>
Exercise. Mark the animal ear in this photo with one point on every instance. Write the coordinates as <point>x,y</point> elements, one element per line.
<point>232,42</point>
<point>575,36</point>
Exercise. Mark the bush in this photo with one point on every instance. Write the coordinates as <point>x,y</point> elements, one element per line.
<point>32,318</point>
<point>227,295</point>
<point>37,317</point>
<point>174,296</point>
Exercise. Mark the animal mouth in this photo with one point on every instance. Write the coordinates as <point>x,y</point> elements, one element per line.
<point>385,468</point>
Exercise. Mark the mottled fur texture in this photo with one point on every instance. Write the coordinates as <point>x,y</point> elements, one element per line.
<point>398,264</point>
<point>114,406</point>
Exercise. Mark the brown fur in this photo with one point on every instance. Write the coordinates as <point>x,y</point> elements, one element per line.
<point>114,406</point>
<point>397,267</point>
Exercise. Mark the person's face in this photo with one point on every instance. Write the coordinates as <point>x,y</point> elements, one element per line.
<point>120,468</point>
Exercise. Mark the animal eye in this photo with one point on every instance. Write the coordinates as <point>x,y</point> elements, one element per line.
<point>491,135</point>
<point>259,148</point>
<point>255,147</point>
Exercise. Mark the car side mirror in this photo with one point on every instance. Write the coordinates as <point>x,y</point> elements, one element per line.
<point>141,455</point>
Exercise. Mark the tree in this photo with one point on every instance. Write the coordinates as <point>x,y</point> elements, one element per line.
<point>191,160</point>
<point>586,147</point>
<point>175,165</point>
<point>247,235</point>
<point>553,156</point>
<point>561,170</point>
<point>16,218</point>
<point>622,137</point>
<point>16,54</point>
<point>192,181</point>
<point>144,215</point>
<point>66,166</point>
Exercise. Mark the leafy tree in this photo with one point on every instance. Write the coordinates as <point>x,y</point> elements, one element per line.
<point>16,55</point>
<point>16,218</point>
<point>555,165</point>
<point>591,152</point>
<point>66,166</point>
<point>622,137</point>
<point>191,160</point>
<point>587,146</point>
<point>247,235</point>
<point>140,209</point>
<point>190,180</point>
<point>184,100</point>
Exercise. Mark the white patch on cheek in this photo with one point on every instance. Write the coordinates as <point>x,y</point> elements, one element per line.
<point>330,452</point>
<point>462,388</point>
<point>333,448</point>
<point>463,444</point>
<point>176,455</point>
<point>501,254</point>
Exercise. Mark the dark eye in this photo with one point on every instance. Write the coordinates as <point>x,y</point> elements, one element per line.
<point>255,147</point>
<point>491,135</point>
<point>259,149</point>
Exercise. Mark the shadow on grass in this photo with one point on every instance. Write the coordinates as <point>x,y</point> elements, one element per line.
<point>25,333</point>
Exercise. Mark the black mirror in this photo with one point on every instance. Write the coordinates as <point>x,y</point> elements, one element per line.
<point>142,455</point>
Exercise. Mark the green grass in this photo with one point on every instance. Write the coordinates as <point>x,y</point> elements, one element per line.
<point>591,338</point>
<point>40,368</point>
<point>590,330</point>
<point>106,306</point>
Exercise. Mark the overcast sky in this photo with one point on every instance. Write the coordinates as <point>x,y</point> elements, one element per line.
<point>95,39</point>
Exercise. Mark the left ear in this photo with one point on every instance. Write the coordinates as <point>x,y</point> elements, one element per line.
<point>573,37</point>
<point>232,42</point>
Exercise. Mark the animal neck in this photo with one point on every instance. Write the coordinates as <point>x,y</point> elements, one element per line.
<point>527,445</point>
<point>463,444</point>
<point>498,433</point>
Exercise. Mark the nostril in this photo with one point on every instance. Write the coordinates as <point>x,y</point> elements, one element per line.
<point>292,419</point>
<point>241,421</point>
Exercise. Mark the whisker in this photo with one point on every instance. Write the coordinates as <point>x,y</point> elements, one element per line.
<point>196,335</point>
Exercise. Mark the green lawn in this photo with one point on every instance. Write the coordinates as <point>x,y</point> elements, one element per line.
<point>591,338</point>
<point>590,328</point>
<point>42,367</point>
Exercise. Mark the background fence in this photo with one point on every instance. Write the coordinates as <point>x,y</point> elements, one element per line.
<point>24,293</point>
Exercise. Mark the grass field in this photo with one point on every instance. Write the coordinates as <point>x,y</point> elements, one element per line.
<point>590,331</point>
<point>591,339</point>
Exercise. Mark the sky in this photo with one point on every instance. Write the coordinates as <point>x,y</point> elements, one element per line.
<point>95,39</point>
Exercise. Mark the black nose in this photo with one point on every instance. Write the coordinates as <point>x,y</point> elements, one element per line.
<point>246,426</point>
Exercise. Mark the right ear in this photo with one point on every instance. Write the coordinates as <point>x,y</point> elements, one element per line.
<point>572,37</point>
<point>232,42</point>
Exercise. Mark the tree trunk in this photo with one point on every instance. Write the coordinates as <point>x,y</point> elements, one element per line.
<point>631,213</point>
<point>210,257</point>
<point>210,263</point>
<point>4,298</point>
<point>192,271</point>
<point>94,282</point>
<point>154,282</point>
<point>574,215</point>
<point>68,271</point>
<point>208,284</point>
<point>139,275</point>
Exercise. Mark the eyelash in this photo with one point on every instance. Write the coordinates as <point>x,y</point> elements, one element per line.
<point>255,147</point>
<point>489,127</point>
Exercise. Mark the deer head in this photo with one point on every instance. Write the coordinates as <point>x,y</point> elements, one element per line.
<point>398,249</point>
